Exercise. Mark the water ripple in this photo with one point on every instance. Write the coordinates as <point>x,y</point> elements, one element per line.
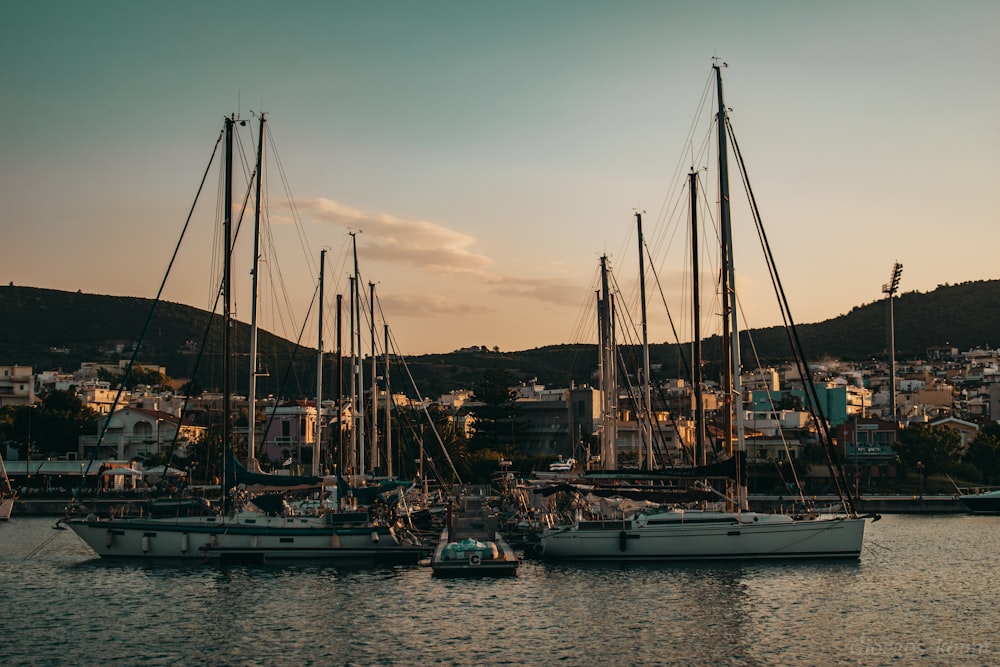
<point>919,595</point>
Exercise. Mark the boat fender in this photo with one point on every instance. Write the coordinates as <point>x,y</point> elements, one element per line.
<point>622,540</point>
<point>108,538</point>
<point>374,537</point>
<point>475,559</point>
<point>213,540</point>
<point>145,544</point>
<point>184,543</point>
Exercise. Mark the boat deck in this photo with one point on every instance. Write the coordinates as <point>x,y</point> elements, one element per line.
<point>471,546</point>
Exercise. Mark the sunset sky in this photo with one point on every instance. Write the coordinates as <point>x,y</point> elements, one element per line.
<point>490,152</point>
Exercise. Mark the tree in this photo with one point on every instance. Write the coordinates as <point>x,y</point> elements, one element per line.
<point>984,453</point>
<point>139,375</point>
<point>496,417</point>
<point>55,425</point>
<point>928,448</point>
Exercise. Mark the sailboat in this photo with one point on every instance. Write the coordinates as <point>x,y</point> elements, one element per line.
<point>670,532</point>
<point>257,531</point>
<point>7,493</point>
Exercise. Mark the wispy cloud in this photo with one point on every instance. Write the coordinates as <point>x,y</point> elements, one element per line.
<point>433,247</point>
<point>548,290</point>
<point>415,242</point>
<point>427,304</point>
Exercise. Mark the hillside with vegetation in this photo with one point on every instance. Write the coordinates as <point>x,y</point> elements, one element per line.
<point>51,330</point>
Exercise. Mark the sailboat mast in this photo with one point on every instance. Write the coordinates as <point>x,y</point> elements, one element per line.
<point>376,464</point>
<point>354,383</point>
<point>358,371</point>
<point>227,250</point>
<point>731,323</point>
<point>609,387</point>
<point>317,447</point>
<point>340,386</point>
<point>700,452</point>
<point>645,425</point>
<point>388,405</point>
<point>254,272</point>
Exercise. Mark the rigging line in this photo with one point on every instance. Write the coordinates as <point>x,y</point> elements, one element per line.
<point>149,319</point>
<point>584,313</point>
<point>642,416</point>
<point>277,278</point>
<point>194,374</point>
<point>274,272</point>
<point>814,406</point>
<point>291,360</point>
<point>836,470</point>
<point>423,405</point>
<point>695,120</point>
<point>659,233</point>
<point>770,400</point>
<point>303,239</point>
<point>670,319</point>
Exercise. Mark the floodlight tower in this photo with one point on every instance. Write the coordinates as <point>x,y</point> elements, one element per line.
<point>889,289</point>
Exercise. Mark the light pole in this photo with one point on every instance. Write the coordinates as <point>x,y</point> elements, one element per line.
<point>889,289</point>
<point>920,471</point>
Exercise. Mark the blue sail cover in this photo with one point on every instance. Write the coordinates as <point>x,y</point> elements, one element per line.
<point>366,495</point>
<point>237,473</point>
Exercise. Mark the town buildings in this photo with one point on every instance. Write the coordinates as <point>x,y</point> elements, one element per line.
<point>958,390</point>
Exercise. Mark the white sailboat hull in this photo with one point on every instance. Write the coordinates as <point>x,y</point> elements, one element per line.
<point>259,538</point>
<point>6,507</point>
<point>679,535</point>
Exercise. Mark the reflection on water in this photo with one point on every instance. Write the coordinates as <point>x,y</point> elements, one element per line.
<point>919,595</point>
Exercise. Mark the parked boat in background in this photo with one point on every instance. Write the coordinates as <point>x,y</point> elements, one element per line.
<point>987,502</point>
<point>7,493</point>
<point>471,544</point>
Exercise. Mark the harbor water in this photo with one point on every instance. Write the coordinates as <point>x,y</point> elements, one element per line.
<point>923,593</point>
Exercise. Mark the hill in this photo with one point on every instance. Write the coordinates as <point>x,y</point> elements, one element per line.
<point>51,329</point>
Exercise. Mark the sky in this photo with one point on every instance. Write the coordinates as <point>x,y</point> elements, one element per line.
<point>486,154</point>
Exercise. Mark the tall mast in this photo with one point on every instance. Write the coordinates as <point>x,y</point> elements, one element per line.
<point>254,272</point>
<point>609,386</point>
<point>700,452</point>
<point>359,375</point>
<point>340,387</point>
<point>317,446</point>
<point>645,425</point>
<point>227,231</point>
<point>354,383</point>
<point>376,463</point>
<point>730,324</point>
<point>388,405</point>
<point>600,374</point>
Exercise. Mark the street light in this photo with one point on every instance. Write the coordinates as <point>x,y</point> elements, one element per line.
<point>889,289</point>
<point>920,471</point>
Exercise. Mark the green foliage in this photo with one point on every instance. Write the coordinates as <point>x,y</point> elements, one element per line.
<point>984,453</point>
<point>53,427</point>
<point>496,418</point>
<point>59,329</point>
<point>929,449</point>
<point>138,376</point>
